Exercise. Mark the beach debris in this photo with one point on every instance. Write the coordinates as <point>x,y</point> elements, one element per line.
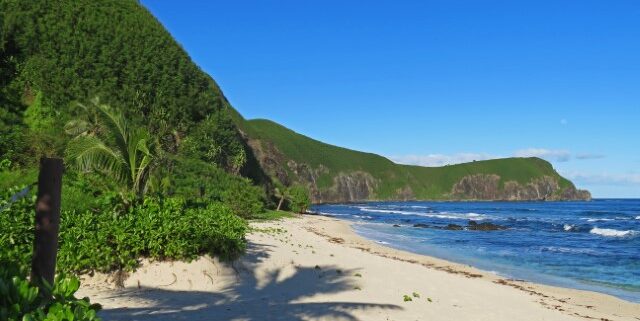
<point>317,267</point>
<point>337,240</point>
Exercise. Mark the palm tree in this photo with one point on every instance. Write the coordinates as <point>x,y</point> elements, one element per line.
<point>282,193</point>
<point>104,141</point>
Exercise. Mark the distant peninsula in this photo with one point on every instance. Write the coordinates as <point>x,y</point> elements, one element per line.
<point>336,175</point>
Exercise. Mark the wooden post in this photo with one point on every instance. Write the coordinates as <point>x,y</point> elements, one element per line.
<point>45,245</point>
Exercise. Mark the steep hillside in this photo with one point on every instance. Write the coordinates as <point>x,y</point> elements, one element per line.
<point>54,54</point>
<point>335,174</point>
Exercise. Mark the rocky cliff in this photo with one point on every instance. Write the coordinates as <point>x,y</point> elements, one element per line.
<point>487,187</point>
<point>337,175</point>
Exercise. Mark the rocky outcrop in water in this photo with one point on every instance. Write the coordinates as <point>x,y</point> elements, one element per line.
<point>487,187</point>
<point>484,226</point>
<point>472,226</point>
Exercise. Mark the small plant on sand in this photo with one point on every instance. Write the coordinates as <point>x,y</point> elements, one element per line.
<point>429,299</point>
<point>407,298</point>
<point>416,294</point>
<point>357,288</point>
<point>358,275</point>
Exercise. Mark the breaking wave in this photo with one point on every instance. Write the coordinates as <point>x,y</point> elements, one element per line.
<point>612,233</point>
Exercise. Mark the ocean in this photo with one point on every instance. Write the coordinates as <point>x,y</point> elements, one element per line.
<point>584,245</point>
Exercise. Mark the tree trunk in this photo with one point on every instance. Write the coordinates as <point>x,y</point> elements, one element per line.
<point>45,244</point>
<point>280,203</point>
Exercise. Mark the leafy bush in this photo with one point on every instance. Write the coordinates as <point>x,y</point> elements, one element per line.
<point>195,179</point>
<point>244,199</point>
<point>105,241</point>
<point>157,228</point>
<point>299,200</point>
<point>20,300</point>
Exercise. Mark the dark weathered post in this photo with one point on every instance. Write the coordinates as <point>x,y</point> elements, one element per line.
<point>45,245</point>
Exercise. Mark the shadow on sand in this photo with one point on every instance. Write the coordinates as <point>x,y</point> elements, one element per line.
<point>252,298</point>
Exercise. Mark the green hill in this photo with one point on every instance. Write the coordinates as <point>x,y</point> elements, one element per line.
<point>336,174</point>
<point>54,54</point>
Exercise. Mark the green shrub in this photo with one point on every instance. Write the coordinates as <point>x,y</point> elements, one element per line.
<point>244,199</point>
<point>195,179</point>
<point>20,300</point>
<point>299,200</point>
<point>106,240</point>
<point>158,229</point>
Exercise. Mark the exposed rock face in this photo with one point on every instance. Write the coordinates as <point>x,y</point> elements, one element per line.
<point>357,186</point>
<point>270,159</point>
<point>405,194</point>
<point>487,187</point>
<point>478,186</point>
<point>351,187</point>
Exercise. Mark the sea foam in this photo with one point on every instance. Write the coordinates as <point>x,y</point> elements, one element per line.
<point>449,215</point>
<point>611,232</point>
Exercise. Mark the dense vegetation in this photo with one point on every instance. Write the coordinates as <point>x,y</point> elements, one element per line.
<point>155,166</point>
<point>158,164</point>
<point>109,240</point>
<point>20,300</point>
<point>280,145</point>
<point>53,54</point>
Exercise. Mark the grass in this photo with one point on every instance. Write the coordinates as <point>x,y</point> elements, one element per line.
<point>271,215</point>
<point>425,182</point>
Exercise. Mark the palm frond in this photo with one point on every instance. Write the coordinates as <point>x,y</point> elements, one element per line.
<point>89,153</point>
<point>116,123</point>
<point>76,127</point>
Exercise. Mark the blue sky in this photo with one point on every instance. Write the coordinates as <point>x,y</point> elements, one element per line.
<point>435,82</point>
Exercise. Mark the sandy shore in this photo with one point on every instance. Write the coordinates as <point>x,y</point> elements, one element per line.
<point>317,268</point>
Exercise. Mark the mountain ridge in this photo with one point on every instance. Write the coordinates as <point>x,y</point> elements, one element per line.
<point>336,174</point>
<point>54,54</point>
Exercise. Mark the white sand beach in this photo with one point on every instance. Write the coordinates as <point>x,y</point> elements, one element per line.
<point>317,268</point>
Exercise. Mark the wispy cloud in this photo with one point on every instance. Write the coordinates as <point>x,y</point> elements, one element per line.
<point>548,154</point>
<point>603,178</point>
<point>553,155</point>
<point>589,156</point>
<point>432,160</point>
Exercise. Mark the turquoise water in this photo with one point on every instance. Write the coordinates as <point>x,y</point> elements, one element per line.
<point>585,245</point>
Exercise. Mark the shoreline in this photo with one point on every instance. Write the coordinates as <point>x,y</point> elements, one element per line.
<point>318,268</point>
<point>586,298</point>
<point>519,273</point>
